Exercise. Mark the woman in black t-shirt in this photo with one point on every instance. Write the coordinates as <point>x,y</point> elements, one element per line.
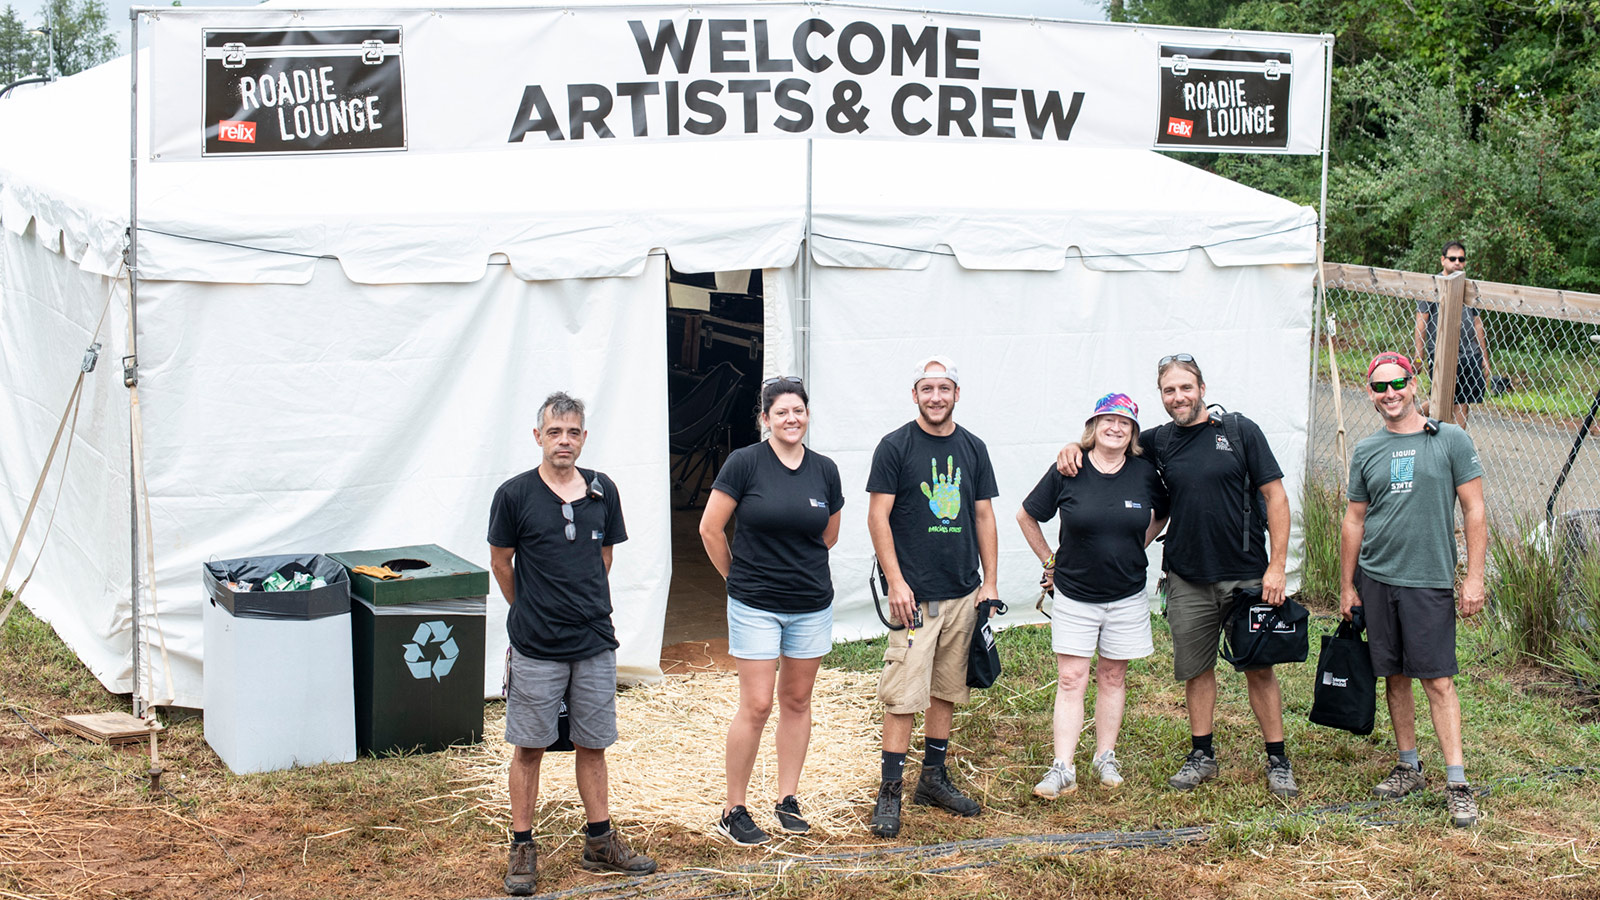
<point>786,502</point>
<point>1110,511</point>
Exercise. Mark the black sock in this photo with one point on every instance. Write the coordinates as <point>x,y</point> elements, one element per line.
<point>598,829</point>
<point>933,751</point>
<point>893,765</point>
<point>522,837</point>
<point>1202,742</point>
<point>1275,748</point>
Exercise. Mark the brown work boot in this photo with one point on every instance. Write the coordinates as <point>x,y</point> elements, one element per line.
<point>522,871</point>
<point>610,853</point>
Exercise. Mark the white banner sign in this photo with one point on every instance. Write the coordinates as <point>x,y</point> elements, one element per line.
<point>260,81</point>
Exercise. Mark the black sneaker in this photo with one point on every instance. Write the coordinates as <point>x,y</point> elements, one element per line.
<point>788,813</point>
<point>934,789</point>
<point>737,826</point>
<point>886,814</point>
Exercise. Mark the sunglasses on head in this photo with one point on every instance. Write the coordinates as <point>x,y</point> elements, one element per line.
<point>792,379</point>
<point>1176,357</point>
<point>1461,258</point>
<point>1398,384</point>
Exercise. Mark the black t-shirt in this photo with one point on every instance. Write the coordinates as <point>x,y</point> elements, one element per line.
<point>935,482</point>
<point>780,563</point>
<point>1104,519</point>
<point>1206,480</point>
<point>562,610</point>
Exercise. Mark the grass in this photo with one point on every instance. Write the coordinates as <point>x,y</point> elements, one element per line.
<point>390,826</point>
<point>1321,512</point>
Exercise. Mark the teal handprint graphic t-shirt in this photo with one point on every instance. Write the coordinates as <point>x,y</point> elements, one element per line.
<point>935,482</point>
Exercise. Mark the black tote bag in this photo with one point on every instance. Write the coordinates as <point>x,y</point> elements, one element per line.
<point>983,658</point>
<point>1345,695</point>
<point>1256,635</point>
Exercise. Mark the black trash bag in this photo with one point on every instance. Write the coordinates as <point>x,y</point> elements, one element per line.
<point>1345,694</point>
<point>983,658</point>
<point>1256,635</point>
<point>312,603</point>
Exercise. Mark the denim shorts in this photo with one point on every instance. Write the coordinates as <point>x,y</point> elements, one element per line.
<point>762,634</point>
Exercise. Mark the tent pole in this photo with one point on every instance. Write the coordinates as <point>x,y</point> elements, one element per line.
<point>805,280</point>
<point>130,363</point>
<point>1319,305</point>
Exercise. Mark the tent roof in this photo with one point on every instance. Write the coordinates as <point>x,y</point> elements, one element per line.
<point>586,209</point>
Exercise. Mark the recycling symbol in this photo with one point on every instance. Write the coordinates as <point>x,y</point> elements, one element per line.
<point>443,659</point>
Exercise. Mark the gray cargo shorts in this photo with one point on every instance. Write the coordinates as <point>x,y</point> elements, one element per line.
<point>533,700</point>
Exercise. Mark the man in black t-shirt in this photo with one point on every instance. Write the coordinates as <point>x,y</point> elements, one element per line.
<point>932,527</point>
<point>1212,547</point>
<point>551,530</point>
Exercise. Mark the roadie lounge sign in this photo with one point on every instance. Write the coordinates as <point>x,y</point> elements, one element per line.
<point>271,82</point>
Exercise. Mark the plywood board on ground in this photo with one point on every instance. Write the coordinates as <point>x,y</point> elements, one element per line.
<point>108,728</point>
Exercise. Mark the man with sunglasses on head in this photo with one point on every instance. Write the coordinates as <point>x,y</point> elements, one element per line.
<point>1397,561</point>
<point>1472,358</point>
<point>932,525</point>
<point>551,530</point>
<point>1214,546</point>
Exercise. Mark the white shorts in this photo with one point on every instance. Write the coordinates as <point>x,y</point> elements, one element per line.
<point>1119,629</point>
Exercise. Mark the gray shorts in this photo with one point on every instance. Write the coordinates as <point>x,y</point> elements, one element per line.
<point>533,700</point>
<point>1194,613</point>
<point>1410,631</point>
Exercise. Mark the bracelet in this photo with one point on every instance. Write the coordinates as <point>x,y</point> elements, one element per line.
<point>1051,562</point>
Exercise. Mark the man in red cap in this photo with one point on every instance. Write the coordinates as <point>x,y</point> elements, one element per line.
<point>1397,555</point>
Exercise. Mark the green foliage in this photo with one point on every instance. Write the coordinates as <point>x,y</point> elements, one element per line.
<point>1478,121</point>
<point>1526,591</point>
<point>79,31</point>
<point>21,53</point>
<point>1321,512</point>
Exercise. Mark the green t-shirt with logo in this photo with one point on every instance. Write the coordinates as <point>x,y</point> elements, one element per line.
<point>1408,482</point>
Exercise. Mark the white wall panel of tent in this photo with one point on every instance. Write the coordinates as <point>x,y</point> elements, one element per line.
<point>348,352</point>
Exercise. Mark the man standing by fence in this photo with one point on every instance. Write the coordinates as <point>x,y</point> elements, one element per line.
<point>1226,488</point>
<point>1472,360</point>
<point>935,538</point>
<point>1397,555</point>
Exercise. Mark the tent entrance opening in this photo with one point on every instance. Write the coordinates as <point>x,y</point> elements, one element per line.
<point>715,343</point>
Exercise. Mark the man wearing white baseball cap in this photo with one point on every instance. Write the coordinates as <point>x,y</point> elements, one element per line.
<point>933,530</point>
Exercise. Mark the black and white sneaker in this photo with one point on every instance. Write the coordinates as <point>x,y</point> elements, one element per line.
<point>788,813</point>
<point>737,826</point>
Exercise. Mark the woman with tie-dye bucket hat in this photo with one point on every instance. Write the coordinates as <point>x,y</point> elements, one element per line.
<point>1110,511</point>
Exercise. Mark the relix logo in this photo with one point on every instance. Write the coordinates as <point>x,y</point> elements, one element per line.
<point>1183,128</point>
<point>237,132</point>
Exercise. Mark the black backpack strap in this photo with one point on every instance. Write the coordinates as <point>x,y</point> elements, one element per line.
<point>1163,447</point>
<point>1230,427</point>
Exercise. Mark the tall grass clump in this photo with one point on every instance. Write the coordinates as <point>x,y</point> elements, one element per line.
<point>1321,512</point>
<point>1577,648</point>
<point>1525,589</point>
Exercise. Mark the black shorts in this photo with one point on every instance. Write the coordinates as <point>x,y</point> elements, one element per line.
<point>1471,386</point>
<point>1410,631</point>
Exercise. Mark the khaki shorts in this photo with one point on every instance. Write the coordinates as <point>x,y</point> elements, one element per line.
<point>935,663</point>
<point>1194,613</point>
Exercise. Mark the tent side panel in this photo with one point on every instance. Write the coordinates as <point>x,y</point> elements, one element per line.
<point>1035,350</point>
<point>48,311</point>
<point>339,416</point>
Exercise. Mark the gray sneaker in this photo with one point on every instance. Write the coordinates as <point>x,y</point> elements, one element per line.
<point>1402,780</point>
<point>1198,768</point>
<point>1463,805</point>
<point>1280,777</point>
<point>1060,778</point>
<point>1105,766</point>
<point>522,870</point>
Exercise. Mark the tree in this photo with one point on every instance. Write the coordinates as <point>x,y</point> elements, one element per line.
<point>19,51</point>
<point>79,31</point>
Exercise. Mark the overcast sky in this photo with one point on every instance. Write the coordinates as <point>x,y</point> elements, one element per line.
<point>1056,9</point>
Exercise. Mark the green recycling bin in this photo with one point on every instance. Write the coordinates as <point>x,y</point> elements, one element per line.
<point>418,662</point>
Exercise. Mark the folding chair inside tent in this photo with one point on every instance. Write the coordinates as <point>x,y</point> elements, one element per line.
<point>698,427</point>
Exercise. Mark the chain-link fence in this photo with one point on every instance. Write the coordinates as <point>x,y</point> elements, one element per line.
<point>1540,382</point>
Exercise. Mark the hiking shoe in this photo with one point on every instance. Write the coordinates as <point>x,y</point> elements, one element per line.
<point>1106,767</point>
<point>610,853</point>
<point>1280,777</point>
<point>1060,778</point>
<point>737,826</point>
<point>1197,769</point>
<point>934,789</point>
<point>1463,805</point>
<point>1402,780</point>
<point>886,814</point>
<point>522,870</point>
<point>788,813</point>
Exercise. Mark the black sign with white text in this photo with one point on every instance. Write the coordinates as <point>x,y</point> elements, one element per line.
<point>303,91</point>
<point>1223,98</point>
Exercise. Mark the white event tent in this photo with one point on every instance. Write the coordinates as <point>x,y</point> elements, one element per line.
<point>348,352</point>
